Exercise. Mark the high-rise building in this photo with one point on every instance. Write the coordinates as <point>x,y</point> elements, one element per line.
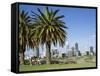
<point>73,51</point>
<point>76,46</point>
<point>78,53</point>
<point>91,50</point>
<point>67,49</point>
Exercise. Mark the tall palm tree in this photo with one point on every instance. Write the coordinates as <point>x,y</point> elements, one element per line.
<point>49,28</point>
<point>33,41</point>
<point>24,21</point>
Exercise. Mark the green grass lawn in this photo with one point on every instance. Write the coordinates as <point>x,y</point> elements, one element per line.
<point>54,66</point>
<point>81,63</point>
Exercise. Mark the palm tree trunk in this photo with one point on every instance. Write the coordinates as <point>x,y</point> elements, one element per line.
<point>37,51</point>
<point>48,53</point>
<point>21,57</point>
<point>30,61</point>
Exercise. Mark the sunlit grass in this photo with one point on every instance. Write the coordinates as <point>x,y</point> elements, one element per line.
<point>55,66</point>
<point>82,62</point>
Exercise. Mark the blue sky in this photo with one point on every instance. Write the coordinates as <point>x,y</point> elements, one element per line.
<point>81,23</point>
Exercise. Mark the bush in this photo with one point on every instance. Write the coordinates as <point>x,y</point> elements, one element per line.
<point>42,61</point>
<point>26,62</point>
<point>54,62</point>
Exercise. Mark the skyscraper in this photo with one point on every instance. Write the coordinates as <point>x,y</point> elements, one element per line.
<point>76,46</point>
<point>78,53</point>
<point>73,51</point>
<point>91,50</point>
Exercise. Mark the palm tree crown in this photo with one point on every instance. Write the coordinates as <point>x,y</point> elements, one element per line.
<point>49,27</point>
<point>24,21</point>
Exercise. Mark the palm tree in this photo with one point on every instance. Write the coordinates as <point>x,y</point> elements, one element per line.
<point>24,21</point>
<point>33,41</point>
<point>49,28</point>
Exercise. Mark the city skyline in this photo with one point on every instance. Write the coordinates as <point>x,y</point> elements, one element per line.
<point>32,52</point>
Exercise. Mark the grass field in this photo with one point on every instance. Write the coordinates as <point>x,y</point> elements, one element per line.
<point>54,66</point>
<point>82,62</point>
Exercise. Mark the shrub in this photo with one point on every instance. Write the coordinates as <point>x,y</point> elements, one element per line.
<point>26,62</point>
